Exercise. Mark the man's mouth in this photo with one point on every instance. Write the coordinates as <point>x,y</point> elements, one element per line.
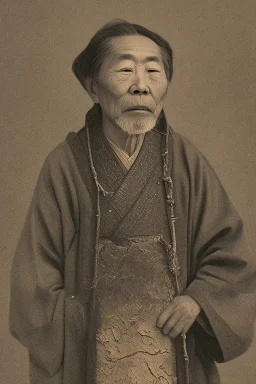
<point>139,108</point>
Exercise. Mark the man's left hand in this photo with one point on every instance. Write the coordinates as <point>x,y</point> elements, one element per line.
<point>178,316</point>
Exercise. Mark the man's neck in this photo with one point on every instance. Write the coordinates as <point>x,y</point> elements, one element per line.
<point>120,138</point>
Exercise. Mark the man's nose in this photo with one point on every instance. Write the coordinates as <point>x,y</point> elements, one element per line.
<point>139,87</point>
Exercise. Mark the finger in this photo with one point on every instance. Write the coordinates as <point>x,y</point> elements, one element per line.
<point>165,315</point>
<point>170,323</point>
<point>179,327</point>
<point>176,330</point>
<point>188,325</point>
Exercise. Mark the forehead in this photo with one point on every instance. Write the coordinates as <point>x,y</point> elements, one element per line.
<point>140,47</point>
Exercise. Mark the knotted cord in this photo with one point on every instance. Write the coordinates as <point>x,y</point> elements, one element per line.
<point>173,260</point>
<point>100,189</point>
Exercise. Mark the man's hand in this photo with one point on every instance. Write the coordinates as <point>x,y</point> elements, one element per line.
<point>178,316</point>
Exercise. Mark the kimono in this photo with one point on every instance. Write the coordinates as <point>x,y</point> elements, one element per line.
<point>86,208</point>
<point>134,283</point>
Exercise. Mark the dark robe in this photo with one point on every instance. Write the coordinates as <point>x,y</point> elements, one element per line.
<point>53,271</point>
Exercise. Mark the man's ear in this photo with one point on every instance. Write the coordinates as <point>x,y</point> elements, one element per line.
<point>92,88</point>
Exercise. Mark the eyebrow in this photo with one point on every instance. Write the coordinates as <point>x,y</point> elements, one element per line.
<point>128,56</point>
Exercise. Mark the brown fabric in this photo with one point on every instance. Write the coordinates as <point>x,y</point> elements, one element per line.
<point>128,160</point>
<point>131,194</point>
<point>56,252</point>
<point>134,286</point>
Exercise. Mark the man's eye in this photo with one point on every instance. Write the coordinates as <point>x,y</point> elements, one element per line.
<point>126,70</point>
<point>153,70</point>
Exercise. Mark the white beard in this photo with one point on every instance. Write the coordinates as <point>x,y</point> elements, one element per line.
<point>136,126</point>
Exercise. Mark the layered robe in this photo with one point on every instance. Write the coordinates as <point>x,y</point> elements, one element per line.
<point>134,282</point>
<point>59,273</point>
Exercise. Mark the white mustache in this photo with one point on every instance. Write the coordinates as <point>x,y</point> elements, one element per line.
<point>140,104</point>
<point>131,102</point>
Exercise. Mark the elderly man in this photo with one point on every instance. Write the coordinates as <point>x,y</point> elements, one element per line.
<point>133,266</point>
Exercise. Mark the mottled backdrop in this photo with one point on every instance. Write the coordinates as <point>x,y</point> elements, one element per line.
<point>211,101</point>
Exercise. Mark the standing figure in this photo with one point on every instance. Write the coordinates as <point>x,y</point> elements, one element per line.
<point>133,266</point>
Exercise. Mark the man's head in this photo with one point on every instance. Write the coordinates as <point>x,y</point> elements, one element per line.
<point>126,69</point>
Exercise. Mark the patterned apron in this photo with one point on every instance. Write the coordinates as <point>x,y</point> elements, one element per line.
<point>134,286</point>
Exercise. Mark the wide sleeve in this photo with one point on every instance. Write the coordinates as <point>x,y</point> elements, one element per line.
<point>221,264</point>
<point>37,282</point>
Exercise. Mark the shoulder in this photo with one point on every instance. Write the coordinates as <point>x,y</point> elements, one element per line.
<point>60,156</point>
<point>183,147</point>
<point>188,160</point>
<point>59,165</point>
<point>185,152</point>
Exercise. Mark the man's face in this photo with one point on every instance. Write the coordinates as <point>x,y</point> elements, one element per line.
<point>131,84</point>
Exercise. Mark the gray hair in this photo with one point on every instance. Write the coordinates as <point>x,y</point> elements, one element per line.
<point>88,62</point>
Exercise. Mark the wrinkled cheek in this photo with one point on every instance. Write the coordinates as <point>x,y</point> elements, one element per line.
<point>159,107</point>
<point>111,108</point>
<point>161,91</point>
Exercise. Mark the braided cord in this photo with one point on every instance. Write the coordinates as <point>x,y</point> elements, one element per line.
<point>172,248</point>
<point>100,189</point>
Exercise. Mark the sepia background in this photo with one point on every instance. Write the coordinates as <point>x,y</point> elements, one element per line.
<point>211,101</point>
